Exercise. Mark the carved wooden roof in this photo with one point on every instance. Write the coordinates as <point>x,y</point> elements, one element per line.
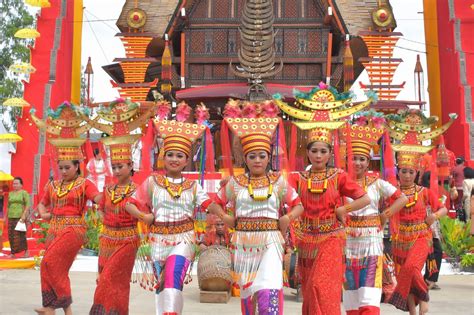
<point>356,14</point>
<point>159,13</point>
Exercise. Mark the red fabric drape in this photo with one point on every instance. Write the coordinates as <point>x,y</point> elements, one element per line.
<point>225,145</point>
<point>210,166</point>
<point>293,140</point>
<point>389,164</point>
<point>349,162</point>
<point>337,155</point>
<point>147,142</point>
<point>434,173</point>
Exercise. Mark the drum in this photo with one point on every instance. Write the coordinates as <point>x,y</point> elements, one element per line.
<point>290,266</point>
<point>214,269</point>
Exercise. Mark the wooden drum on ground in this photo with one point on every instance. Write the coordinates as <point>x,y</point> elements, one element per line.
<point>214,269</point>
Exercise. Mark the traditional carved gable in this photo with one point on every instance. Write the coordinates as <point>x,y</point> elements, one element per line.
<point>159,13</point>
<point>213,40</point>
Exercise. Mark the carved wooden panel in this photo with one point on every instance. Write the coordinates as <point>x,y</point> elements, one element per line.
<point>290,42</point>
<point>291,9</point>
<point>219,44</point>
<point>196,39</point>
<point>222,10</point>
<point>220,71</point>
<point>200,11</point>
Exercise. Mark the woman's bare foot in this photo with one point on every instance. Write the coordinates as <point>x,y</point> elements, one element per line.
<point>40,310</point>
<point>45,310</point>
<point>423,307</point>
<point>411,304</point>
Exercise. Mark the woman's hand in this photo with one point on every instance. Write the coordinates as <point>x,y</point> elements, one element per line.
<point>431,219</point>
<point>45,216</point>
<point>341,213</point>
<point>385,215</point>
<point>148,218</point>
<point>283,223</point>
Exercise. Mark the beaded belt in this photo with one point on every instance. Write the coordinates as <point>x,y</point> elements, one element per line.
<point>119,233</point>
<point>256,224</point>
<point>319,226</point>
<point>363,221</point>
<point>59,221</point>
<point>413,227</point>
<point>172,227</point>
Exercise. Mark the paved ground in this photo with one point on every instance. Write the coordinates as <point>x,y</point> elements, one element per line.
<point>20,293</point>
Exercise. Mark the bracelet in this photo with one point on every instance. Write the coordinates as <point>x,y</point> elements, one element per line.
<point>141,216</point>
<point>348,208</point>
<point>436,215</point>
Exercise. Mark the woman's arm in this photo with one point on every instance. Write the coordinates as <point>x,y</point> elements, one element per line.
<point>43,212</point>
<point>217,210</point>
<point>136,213</point>
<point>396,206</point>
<point>292,215</point>
<point>353,206</point>
<point>436,215</point>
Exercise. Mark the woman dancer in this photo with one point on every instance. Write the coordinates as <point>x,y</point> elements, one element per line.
<point>364,246</point>
<point>256,203</point>
<point>66,201</point>
<point>412,239</point>
<point>119,240</point>
<point>322,235</point>
<point>172,199</point>
<point>63,205</point>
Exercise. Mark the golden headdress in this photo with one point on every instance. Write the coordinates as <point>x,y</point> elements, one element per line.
<point>254,133</point>
<point>64,126</point>
<point>408,127</point>
<point>177,135</point>
<point>326,109</point>
<point>365,133</point>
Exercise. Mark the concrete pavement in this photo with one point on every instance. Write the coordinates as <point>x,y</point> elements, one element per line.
<point>20,293</point>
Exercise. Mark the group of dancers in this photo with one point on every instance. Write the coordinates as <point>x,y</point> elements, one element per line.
<point>335,215</point>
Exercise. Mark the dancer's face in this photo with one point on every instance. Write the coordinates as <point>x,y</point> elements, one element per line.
<point>175,161</point>
<point>68,170</point>
<point>122,171</point>
<point>407,176</point>
<point>361,164</point>
<point>257,162</point>
<point>319,154</point>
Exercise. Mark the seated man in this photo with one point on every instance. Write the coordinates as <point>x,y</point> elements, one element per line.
<point>216,234</point>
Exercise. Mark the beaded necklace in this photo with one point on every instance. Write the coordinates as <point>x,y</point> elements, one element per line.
<point>60,193</point>
<point>318,190</point>
<point>260,198</point>
<point>173,194</point>
<point>122,196</point>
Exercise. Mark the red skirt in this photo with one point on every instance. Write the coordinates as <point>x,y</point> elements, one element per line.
<point>116,260</point>
<point>409,277</point>
<point>60,254</point>
<point>322,278</point>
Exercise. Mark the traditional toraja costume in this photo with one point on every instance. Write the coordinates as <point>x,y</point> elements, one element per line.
<point>321,237</point>
<point>257,204</point>
<point>119,239</point>
<point>412,237</point>
<point>173,203</point>
<point>67,204</point>
<point>364,244</point>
